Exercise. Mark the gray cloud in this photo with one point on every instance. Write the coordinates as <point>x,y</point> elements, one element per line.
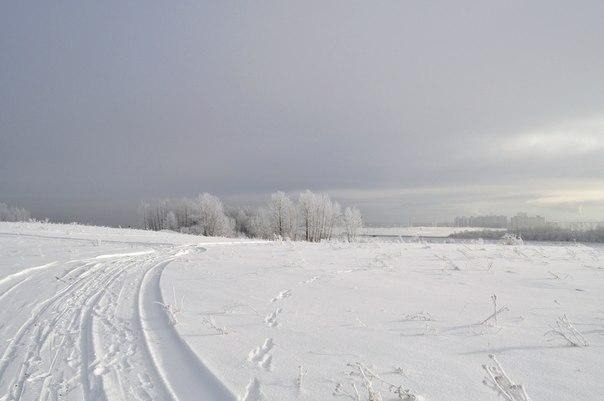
<point>102,104</point>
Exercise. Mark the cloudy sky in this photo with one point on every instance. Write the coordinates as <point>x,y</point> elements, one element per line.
<point>414,110</point>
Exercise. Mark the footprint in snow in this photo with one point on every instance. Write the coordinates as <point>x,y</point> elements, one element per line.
<point>253,392</point>
<point>310,280</point>
<point>282,294</point>
<point>271,319</point>
<point>260,356</point>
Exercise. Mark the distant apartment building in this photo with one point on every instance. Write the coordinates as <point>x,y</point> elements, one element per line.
<point>524,221</point>
<point>482,221</point>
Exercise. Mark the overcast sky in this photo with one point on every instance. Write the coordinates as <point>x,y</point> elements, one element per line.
<point>414,110</point>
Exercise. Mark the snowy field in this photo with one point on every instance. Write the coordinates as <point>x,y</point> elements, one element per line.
<point>91,313</point>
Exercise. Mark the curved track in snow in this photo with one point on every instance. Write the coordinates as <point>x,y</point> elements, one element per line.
<point>103,334</point>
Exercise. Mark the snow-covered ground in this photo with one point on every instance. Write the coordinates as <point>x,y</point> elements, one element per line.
<point>91,313</point>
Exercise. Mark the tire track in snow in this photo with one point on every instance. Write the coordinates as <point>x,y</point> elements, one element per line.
<point>185,376</point>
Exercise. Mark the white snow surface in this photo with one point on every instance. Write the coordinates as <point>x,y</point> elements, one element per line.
<point>94,313</point>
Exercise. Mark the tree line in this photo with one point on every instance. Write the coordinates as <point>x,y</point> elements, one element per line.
<point>8,213</point>
<point>312,217</point>
<point>561,234</point>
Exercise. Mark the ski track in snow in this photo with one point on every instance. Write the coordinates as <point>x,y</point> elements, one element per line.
<point>103,335</point>
<point>25,272</point>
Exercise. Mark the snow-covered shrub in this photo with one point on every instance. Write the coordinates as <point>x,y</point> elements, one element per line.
<point>511,239</point>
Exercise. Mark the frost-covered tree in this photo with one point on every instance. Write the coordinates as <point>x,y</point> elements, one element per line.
<point>307,209</point>
<point>314,216</point>
<point>353,223</point>
<point>210,217</point>
<point>242,218</point>
<point>260,224</point>
<point>333,216</point>
<point>204,215</point>
<point>153,215</point>
<point>8,213</point>
<point>283,216</point>
<point>143,212</point>
<point>318,215</point>
<point>20,214</point>
<point>183,209</point>
<point>170,221</point>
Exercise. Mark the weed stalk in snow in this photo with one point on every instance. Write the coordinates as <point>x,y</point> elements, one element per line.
<point>566,330</point>
<point>211,323</point>
<point>499,381</point>
<point>369,380</point>
<point>496,312</point>
<point>172,309</point>
<point>301,374</point>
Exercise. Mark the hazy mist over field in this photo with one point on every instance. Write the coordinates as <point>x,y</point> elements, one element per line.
<point>411,110</point>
